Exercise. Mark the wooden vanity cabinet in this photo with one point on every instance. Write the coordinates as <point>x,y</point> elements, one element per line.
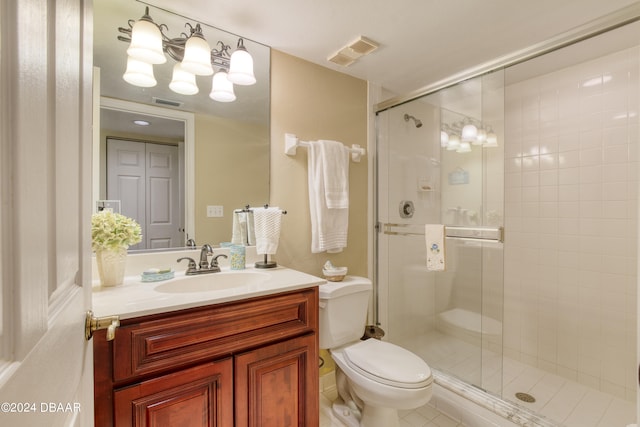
<point>247,363</point>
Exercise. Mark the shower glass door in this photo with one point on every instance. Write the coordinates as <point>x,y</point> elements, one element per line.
<point>429,173</point>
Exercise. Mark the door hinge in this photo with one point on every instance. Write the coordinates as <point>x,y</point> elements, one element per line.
<point>92,324</point>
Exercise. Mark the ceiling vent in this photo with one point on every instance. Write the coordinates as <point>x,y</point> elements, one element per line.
<point>352,52</point>
<point>166,102</point>
<point>363,46</point>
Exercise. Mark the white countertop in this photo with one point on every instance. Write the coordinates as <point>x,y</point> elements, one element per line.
<point>135,298</point>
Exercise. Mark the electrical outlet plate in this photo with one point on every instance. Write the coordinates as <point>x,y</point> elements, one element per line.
<point>215,211</point>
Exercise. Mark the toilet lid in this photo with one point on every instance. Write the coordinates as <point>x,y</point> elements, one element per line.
<point>388,364</point>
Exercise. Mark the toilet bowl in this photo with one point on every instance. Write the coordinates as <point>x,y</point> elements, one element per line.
<point>375,379</point>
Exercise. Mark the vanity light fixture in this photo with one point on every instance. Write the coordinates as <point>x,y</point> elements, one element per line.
<point>139,73</point>
<point>461,135</point>
<point>464,147</point>
<point>444,138</point>
<point>182,81</point>
<point>469,131</point>
<point>454,142</point>
<point>480,138</point>
<point>492,139</point>
<point>222,88</point>
<point>241,66</point>
<point>148,43</point>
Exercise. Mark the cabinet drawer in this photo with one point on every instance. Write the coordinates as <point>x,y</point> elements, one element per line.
<point>178,339</point>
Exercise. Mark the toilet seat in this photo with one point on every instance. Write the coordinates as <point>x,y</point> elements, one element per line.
<point>388,364</point>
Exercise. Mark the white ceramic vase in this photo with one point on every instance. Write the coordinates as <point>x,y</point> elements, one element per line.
<point>111,263</point>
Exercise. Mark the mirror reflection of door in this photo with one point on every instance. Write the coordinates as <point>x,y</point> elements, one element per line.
<point>145,177</point>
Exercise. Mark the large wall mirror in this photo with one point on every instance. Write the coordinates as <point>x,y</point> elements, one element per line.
<point>217,152</point>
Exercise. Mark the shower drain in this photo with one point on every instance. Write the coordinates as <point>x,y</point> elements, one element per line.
<point>526,397</point>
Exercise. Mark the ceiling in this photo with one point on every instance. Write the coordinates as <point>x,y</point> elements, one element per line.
<point>421,41</point>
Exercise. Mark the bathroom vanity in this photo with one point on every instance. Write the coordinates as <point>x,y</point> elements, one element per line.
<point>240,356</point>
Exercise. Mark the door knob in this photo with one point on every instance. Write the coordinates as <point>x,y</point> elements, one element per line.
<point>92,324</point>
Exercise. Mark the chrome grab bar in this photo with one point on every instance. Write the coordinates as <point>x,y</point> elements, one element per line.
<point>485,234</point>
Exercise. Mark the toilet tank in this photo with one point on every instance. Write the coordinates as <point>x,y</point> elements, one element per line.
<point>343,311</point>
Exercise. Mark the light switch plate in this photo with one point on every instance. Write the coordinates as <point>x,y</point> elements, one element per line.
<point>215,211</point>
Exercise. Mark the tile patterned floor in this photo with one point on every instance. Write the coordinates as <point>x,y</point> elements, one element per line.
<point>559,400</point>
<point>426,416</point>
<point>565,402</point>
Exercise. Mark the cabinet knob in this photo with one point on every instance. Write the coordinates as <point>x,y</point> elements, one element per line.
<point>92,324</point>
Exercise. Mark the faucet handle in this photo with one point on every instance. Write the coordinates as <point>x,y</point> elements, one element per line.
<point>214,262</point>
<point>192,264</point>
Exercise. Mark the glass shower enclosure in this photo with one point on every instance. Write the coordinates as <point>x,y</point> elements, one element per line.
<point>441,161</point>
<point>534,172</point>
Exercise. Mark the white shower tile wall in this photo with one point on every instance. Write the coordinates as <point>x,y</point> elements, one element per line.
<point>571,220</point>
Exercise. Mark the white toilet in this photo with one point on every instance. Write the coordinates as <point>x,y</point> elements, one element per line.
<point>374,378</point>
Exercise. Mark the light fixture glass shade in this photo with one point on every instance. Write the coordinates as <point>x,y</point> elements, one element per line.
<point>481,137</point>
<point>139,73</point>
<point>146,41</point>
<point>492,140</point>
<point>241,66</point>
<point>197,56</point>
<point>454,142</point>
<point>444,138</point>
<point>469,132</point>
<point>464,147</point>
<point>183,82</point>
<point>222,88</point>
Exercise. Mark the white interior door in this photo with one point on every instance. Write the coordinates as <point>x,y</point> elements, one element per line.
<point>126,180</point>
<point>145,177</point>
<point>46,369</point>
<point>164,223</point>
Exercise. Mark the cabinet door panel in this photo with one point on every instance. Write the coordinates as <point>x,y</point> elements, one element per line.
<point>196,397</point>
<point>277,385</point>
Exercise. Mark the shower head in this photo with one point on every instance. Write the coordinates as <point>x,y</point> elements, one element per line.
<point>416,121</point>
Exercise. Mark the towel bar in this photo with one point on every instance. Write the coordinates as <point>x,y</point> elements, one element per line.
<point>291,143</point>
<point>483,234</point>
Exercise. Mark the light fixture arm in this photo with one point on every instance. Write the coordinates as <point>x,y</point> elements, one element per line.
<point>174,47</point>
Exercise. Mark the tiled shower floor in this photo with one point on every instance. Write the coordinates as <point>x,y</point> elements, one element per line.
<point>560,400</point>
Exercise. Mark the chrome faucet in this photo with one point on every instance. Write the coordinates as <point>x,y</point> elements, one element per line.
<point>215,268</point>
<point>192,268</point>
<point>204,253</point>
<point>205,267</point>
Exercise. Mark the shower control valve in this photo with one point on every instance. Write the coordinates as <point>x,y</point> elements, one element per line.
<point>406,209</point>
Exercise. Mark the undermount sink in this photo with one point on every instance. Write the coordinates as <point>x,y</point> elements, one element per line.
<point>213,282</point>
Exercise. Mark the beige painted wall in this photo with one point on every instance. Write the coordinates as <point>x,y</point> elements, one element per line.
<point>234,184</point>
<point>314,102</point>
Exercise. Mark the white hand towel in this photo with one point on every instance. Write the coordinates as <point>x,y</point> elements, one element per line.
<point>328,165</point>
<point>239,229</point>
<point>251,233</point>
<point>243,230</point>
<point>434,239</point>
<point>335,168</point>
<point>267,228</point>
